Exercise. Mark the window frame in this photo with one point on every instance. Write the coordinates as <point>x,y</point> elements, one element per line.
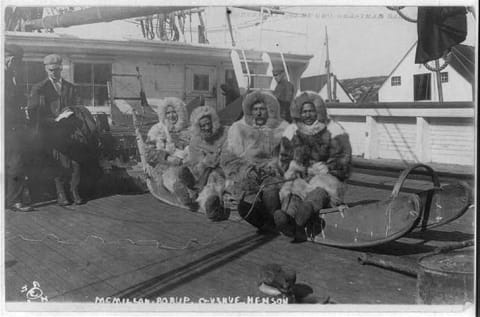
<point>394,82</point>
<point>192,70</point>
<point>444,77</point>
<point>92,85</point>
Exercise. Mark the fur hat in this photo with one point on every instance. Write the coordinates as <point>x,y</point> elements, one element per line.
<point>201,112</point>
<point>180,108</point>
<point>310,97</point>
<point>273,107</point>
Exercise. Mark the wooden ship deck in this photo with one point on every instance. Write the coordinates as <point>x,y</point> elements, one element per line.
<point>135,247</point>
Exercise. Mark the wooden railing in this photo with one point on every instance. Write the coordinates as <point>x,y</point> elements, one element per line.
<point>418,132</point>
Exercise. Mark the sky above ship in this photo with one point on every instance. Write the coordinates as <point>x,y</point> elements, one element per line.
<point>363,41</point>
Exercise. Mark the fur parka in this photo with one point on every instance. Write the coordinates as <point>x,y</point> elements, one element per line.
<point>204,155</point>
<point>251,142</point>
<point>249,146</point>
<point>170,139</point>
<point>320,154</point>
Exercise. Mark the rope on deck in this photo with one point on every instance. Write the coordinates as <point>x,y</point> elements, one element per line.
<point>152,242</point>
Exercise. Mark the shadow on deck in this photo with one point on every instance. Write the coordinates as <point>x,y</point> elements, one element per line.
<point>167,281</point>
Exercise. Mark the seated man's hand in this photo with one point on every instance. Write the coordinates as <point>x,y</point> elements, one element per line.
<point>211,160</point>
<point>170,148</point>
<point>152,156</point>
<point>229,201</point>
<point>272,168</point>
<point>295,170</point>
<point>252,172</point>
<point>232,200</point>
<point>174,160</point>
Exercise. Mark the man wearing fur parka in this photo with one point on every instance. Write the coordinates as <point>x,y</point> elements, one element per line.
<point>167,145</point>
<point>202,173</point>
<point>167,140</point>
<point>249,159</point>
<point>316,152</point>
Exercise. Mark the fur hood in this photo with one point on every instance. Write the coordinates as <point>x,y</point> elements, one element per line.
<point>309,96</point>
<point>273,107</point>
<point>201,112</point>
<point>160,108</point>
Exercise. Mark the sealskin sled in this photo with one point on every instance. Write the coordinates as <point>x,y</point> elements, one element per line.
<point>153,175</point>
<point>362,225</point>
<point>380,222</point>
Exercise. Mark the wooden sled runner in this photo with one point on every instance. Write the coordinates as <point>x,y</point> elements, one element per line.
<point>377,223</point>
<point>153,178</point>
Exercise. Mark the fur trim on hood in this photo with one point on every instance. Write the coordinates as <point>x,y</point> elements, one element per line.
<point>312,97</point>
<point>201,112</point>
<point>273,107</point>
<point>161,106</point>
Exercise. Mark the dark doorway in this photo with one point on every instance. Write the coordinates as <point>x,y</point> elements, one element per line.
<point>421,87</point>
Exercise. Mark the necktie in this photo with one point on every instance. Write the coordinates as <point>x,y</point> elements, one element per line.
<point>58,86</point>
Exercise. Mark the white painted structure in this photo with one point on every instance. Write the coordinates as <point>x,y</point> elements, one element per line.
<point>399,86</point>
<point>421,132</point>
<point>438,133</point>
<point>168,68</point>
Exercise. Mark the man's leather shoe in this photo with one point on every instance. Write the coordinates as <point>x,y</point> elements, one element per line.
<point>62,200</point>
<point>19,207</point>
<point>77,200</point>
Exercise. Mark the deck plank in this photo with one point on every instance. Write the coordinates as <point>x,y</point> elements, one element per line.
<point>44,261</point>
<point>92,258</point>
<point>228,265</point>
<point>73,266</point>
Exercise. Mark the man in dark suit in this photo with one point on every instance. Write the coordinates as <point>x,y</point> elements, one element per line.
<point>16,190</point>
<point>284,91</point>
<point>49,99</point>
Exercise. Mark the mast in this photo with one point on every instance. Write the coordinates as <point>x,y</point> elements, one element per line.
<point>228,11</point>
<point>439,81</point>
<point>327,65</point>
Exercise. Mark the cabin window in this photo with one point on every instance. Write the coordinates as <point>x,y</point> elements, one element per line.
<point>91,83</point>
<point>396,81</point>
<point>31,72</point>
<point>200,80</point>
<point>422,87</point>
<point>444,77</point>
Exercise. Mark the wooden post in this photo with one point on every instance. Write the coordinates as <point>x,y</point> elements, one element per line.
<point>371,143</point>
<point>439,82</point>
<point>423,148</point>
